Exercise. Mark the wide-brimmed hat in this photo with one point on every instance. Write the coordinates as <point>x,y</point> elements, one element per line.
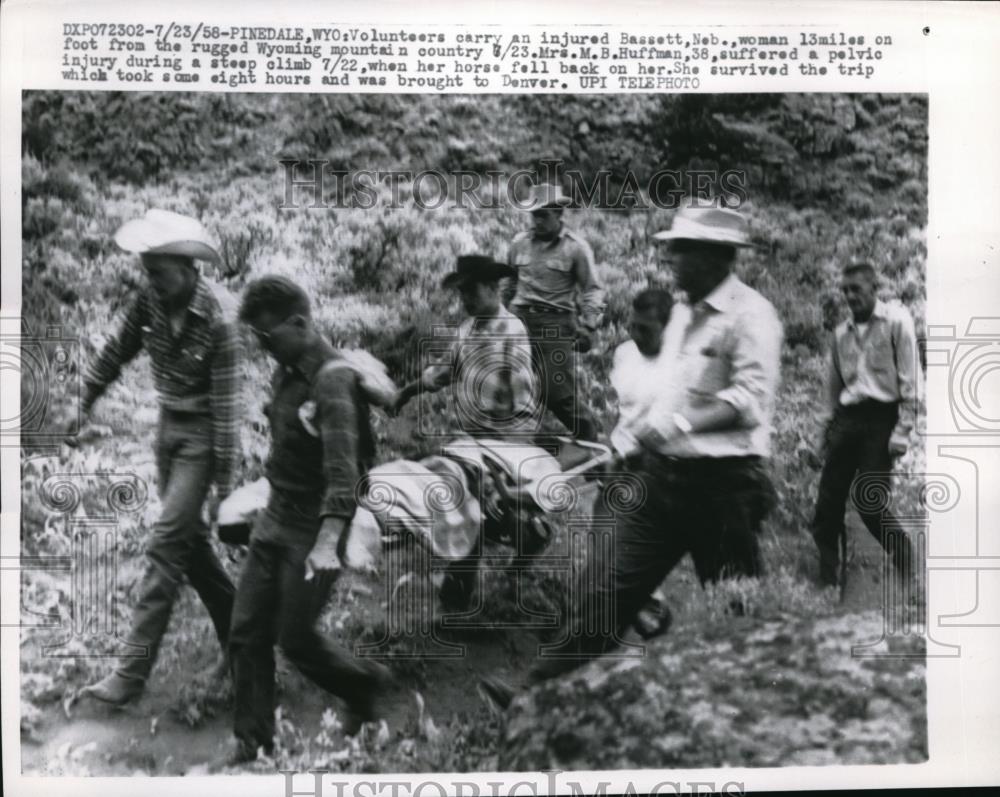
<point>167,233</point>
<point>709,225</point>
<point>476,268</point>
<point>545,195</point>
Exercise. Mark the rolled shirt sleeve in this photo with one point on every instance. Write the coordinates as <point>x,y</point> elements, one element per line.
<point>338,403</point>
<point>591,292</point>
<point>523,385</point>
<point>756,366</point>
<point>225,397</point>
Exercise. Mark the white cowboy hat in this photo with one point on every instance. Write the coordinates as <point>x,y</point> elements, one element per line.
<point>168,233</point>
<point>711,225</point>
<point>545,195</point>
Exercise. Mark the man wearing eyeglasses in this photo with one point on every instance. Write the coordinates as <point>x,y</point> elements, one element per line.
<point>321,446</point>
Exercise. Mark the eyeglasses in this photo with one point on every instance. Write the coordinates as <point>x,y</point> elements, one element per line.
<point>265,337</point>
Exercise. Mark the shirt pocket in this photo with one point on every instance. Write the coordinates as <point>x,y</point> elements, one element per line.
<point>878,351</point>
<point>194,358</point>
<point>521,258</point>
<point>709,369</point>
<point>560,265</point>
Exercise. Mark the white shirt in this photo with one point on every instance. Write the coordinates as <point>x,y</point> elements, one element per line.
<point>876,360</point>
<point>726,347</point>
<point>634,379</point>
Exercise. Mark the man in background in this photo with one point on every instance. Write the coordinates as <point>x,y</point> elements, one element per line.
<point>632,379</point>
<point>555,291</point>
<point>871,395</point>
<point>188,326</point>
<point>632,366</point>
<point>489,362</point>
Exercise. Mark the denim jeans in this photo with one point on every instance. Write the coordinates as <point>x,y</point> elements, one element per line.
<point>552,349</point>
<point>710,508</point>
<point>276,605</point>
<point>180,546</point>
<point>857,443</point>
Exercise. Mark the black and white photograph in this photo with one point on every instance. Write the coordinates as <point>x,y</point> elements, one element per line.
<point>408,433</point>
<point>555,399</point>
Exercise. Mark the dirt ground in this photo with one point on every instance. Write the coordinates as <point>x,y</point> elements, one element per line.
<point>148,737</point>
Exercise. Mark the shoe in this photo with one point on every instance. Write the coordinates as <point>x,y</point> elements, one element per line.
<point>114,689</point>
<point>500,692</point>
<point>653,620</point>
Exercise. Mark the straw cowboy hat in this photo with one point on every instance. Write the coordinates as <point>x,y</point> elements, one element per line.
<point>168,233</point>
<point>476,268</point>
<point>710,225</point>
<point>545,195</point>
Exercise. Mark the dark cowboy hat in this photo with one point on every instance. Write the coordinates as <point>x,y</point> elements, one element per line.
<point>476,268</point>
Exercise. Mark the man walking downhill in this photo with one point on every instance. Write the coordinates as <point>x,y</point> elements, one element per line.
<point>321,446</point>
<point>189,327</point>
<point>703,443</point>
<point>871,390</point>
<point>556,293</point>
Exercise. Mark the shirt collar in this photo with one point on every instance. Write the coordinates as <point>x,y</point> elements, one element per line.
<point>559,236</point>
<point>723,297</point>
<point>200,302</point>
<point>313,358</point>
<point>201,299</point>
<point>881,311</point>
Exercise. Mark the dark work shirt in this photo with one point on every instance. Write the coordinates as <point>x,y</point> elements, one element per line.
<point>321,437</point>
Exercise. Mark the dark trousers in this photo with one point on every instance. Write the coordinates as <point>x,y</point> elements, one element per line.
<point>710,508</point>
<point>552,349</point>
<point>276,605</point>
<point>180,546</point>
<point>857,453</point>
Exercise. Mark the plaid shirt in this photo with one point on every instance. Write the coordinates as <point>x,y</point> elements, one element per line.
<point>488,364</point>
<point>197,371</point>
<point>321,437</point>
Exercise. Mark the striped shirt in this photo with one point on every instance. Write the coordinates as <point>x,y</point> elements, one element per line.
<point>487,361</point>
<point>196,371</point>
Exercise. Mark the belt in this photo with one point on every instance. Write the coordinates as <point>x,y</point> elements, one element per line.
<point>869,405</point>
<point>537,309</point>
